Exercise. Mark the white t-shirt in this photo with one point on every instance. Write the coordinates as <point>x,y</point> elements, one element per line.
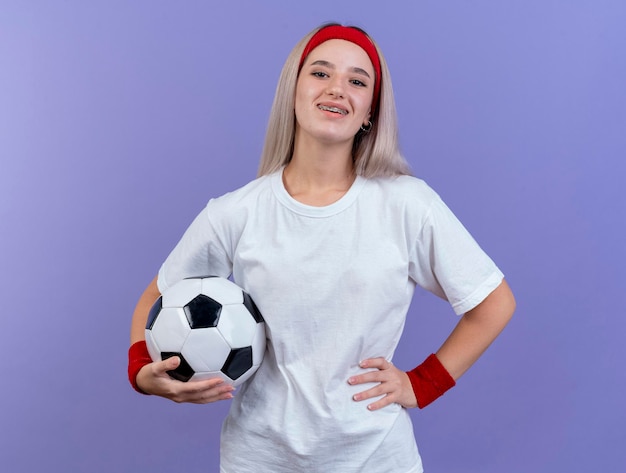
<point>334,285</point>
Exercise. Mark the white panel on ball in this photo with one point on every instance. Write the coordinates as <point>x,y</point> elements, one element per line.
<point>222,290</point>
<point>182,292</point>
<point>153,347</point>
<point>237,325</point>
<point>205,349</point>
<point>171,329</point>
<point>211,375</point>
<point>258,344</point>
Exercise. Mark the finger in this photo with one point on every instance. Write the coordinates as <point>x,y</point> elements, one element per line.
<point>379,363</point>
<point>202,392</point>
<point>219,393</point>
<point>384,402</point>
<point>161,368</point>
<point>211,397</point>
<point>377,390</point>
<point>205,384</point>
<point>377,376</point>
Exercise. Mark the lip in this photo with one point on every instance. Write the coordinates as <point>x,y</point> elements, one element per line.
<point>333,105</point>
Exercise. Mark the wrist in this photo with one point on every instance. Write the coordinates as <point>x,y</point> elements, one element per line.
<point>430,380</point>
<point>138,357</point>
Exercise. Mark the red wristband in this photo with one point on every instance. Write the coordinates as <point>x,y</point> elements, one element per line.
<point>138,357</point>
<point>430,380</point>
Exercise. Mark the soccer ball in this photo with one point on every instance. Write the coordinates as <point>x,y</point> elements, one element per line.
<point>212,325</point>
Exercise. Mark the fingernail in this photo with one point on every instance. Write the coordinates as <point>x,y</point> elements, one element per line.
<point>351,381</point>
<point>356,397</point>
<point>363,364</point>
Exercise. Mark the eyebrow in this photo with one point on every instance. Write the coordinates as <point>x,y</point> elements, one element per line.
<point>330,65</point>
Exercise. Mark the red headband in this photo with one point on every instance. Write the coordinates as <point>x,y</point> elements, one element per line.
<point>354,35</point>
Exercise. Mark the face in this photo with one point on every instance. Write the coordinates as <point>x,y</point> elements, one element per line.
<point>334,92</point>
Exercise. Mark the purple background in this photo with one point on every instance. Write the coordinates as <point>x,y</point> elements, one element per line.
<point>119,120</point>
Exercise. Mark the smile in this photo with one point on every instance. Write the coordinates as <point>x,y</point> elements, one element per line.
<point>333,109</point>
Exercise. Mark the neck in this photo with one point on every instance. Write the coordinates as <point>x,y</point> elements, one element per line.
<point>319,174</point>
<point>321,164</point>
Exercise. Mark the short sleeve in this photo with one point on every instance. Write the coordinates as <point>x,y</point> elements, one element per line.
<point>198,253</point>
<point>447,261</point>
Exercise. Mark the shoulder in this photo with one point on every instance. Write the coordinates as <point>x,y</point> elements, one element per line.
<point>402,186</point>
<point>242,197</point>
<point>406,192</point>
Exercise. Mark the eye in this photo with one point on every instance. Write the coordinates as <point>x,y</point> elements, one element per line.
<point>319,74</point>
<point>358,83</point>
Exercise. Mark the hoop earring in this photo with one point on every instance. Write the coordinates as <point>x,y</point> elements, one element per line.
<point>366,129</point>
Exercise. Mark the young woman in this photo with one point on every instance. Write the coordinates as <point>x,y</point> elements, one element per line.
<point>330,241</point>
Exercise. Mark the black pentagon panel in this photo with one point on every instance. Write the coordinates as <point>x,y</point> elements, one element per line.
<point>252,308</point>
<point>238,362</point>
<point>154,311</point>
<point>184,372</point>
<point>203,312</point>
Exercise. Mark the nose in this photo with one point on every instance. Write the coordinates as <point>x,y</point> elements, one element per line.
<point>335,88</point>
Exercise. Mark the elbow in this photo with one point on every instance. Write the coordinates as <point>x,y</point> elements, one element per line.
<point>497,309</point>
<point>507,301</point>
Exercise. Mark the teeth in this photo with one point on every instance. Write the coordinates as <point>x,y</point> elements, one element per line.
<point>332,109</point>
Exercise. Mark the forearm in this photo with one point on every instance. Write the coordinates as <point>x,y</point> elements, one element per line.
<point>142,309</point>
<point>476,330</point>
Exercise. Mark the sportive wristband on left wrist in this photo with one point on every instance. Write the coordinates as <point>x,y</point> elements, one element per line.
<point>430,380</point>
<point>138,357</point>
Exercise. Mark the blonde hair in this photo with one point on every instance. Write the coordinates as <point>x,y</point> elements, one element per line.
<point>375,153</point>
